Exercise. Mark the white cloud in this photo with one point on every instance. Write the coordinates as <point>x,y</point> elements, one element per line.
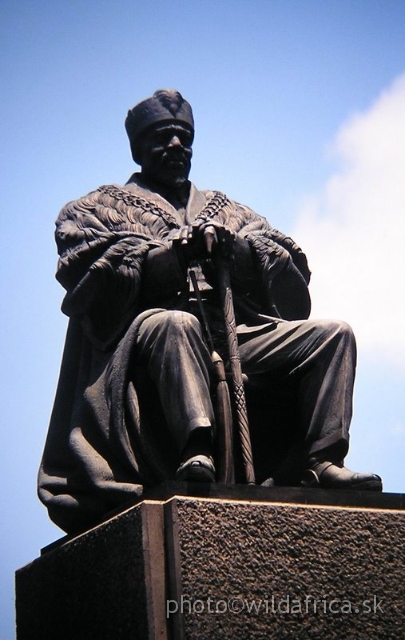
<point>354,230</point>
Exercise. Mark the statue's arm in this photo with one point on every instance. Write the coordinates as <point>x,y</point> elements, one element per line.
<point>272,267</point>
<point>95,262</point>
<point>100,266</point>
<point>164,274</point>
<point>111,268</point>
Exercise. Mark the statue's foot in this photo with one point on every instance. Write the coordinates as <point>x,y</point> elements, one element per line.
<point>197,469</point>
<point>328,475</point>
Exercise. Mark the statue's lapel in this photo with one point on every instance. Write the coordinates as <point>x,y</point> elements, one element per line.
<point>160,206</point>
<point>201,206</point>
<point>195,204</point>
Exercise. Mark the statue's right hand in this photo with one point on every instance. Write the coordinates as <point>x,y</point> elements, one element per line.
<point>183,242</point>
<point>183,235</point>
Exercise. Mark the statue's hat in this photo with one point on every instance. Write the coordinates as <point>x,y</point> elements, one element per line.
<point>166,105</point>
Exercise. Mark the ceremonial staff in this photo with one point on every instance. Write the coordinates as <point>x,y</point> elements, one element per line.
<point>223,402</point>
<point>233,352</point>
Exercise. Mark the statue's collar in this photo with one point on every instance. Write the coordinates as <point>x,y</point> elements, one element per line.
<point>196,199</point>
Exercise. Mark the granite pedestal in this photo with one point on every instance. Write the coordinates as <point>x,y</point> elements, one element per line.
<point>206,562</point>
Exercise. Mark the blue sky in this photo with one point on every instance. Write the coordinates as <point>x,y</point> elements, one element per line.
<point>299,109</point>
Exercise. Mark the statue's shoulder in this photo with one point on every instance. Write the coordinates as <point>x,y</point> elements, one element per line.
<point>242,212</point>
<point>97,203</point>
<point>260,232</point>
<point>83,204</point>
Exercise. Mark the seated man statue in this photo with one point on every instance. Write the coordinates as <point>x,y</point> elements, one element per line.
<point>134,401</point>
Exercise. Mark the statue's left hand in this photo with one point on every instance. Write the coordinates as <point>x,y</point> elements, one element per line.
<point>220,237</point>
<point>201,239</point>
<point>212,236</point>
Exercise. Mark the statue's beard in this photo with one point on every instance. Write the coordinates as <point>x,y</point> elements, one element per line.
<point>172,171</point>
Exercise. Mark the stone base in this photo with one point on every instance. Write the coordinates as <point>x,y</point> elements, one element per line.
<point>232,562</point>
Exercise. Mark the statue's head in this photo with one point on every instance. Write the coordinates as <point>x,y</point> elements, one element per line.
<point>161,132</point>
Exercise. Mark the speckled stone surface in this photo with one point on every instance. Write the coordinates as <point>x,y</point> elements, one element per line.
<point>178,567</point>
<point>261,571</point>
<point>94,587</point>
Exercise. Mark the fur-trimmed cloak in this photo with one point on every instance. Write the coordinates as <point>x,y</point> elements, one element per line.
<point>103,446</point>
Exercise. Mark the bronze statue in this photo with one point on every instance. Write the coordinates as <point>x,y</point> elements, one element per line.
<point>134,401</point>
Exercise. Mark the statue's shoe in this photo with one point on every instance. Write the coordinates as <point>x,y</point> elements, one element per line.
<point>328,475</point>
<point>197,469</point>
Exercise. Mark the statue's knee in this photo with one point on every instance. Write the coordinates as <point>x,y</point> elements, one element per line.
<point>338,328</point>
<point>181,321</point>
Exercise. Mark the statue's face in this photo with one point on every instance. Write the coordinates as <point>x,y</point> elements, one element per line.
<point>166,152</point>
